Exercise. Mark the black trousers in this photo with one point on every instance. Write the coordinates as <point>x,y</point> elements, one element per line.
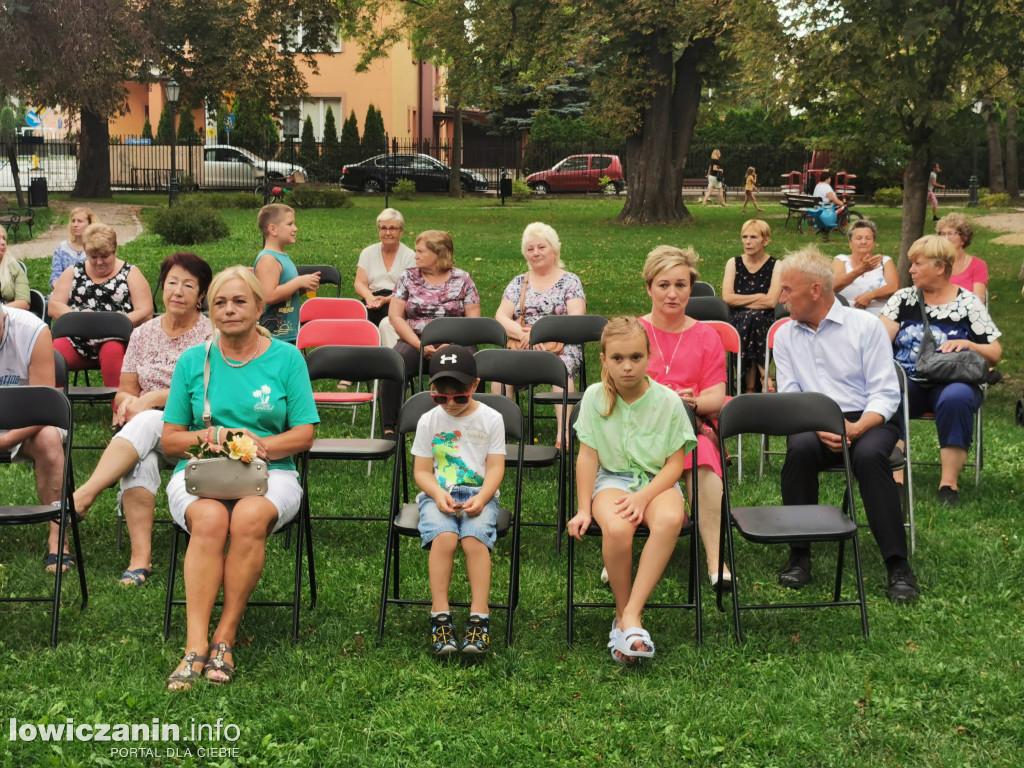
<point>806,456</point>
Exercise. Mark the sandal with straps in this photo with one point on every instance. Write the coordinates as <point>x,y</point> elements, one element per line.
<point>182,679</point>
<point>217,664</point>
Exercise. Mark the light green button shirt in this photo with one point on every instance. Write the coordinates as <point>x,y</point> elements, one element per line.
<point>636,438</point>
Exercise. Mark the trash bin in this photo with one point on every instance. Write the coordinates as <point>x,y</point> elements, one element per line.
<point>505,186</point>
<point>38,196</point>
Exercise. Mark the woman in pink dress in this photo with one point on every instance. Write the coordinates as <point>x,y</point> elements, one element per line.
<point>969,272</point>
<point>688,357</point>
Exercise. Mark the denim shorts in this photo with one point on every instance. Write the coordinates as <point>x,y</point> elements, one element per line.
<point>620,481</point>
<point>433,521</point>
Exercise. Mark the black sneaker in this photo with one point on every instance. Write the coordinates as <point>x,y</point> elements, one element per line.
<point>478,636</point>
<point>903,585</point>
<point>442,635</point>
<point>948,497</point>
<point>797,572</point>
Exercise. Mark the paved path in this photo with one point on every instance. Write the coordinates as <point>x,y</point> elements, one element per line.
<point>123,218</point>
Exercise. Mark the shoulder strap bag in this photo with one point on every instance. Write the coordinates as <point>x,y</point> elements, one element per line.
<point>936,367</point>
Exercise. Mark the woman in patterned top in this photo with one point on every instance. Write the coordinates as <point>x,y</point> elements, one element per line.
<point>102,283</point>
<point>381,264</point>
<point>435,287</point>
<point>72,250</point>
<point>958,320</point>
<point>545,289</point>
<point>134,455</point>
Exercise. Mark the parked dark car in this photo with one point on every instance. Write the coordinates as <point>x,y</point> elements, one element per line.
<point>580,173</point>
<point>430,175</point>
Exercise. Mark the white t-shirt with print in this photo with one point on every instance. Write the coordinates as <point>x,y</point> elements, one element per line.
<point>460,446</point>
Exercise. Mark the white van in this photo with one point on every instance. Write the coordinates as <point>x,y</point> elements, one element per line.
<point>225,166</point>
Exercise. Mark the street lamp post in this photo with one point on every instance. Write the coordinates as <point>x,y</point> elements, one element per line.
<point>173,92</point>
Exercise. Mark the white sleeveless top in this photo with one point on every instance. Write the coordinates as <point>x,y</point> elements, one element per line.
<point>869,281</point>
<point>379,278</point>
<point>21,331</point>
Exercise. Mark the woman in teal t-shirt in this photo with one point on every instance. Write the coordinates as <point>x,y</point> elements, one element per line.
<point>259,387</point>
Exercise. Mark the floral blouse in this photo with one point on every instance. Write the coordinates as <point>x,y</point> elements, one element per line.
<point>114,295</point>
<point>152,354</point>
<point>553,301</point>
<point>424,302</point>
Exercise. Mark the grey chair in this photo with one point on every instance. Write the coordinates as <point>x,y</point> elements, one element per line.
<point>784,414</point>
<point>405,514</point>
<point>46,406</point>
<point>707,308</point>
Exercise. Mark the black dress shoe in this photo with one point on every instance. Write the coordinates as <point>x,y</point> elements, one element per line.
<point>903,585</point>
<point>797,572</point>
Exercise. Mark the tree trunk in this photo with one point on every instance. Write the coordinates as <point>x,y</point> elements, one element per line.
<point>93,157</point>
<point>455,183</point>
<point>1012,168</point>
<point>915,203</point>
<point>12,158</point>
<point>655,187</point>
<point>996,182</point>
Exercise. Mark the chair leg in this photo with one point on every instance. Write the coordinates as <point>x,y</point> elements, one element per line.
<point>297,594</point>
<point>309,557</point>
<point>81,561</point>
<point>170,581</point>
<point>384,587</point>
<point>58,581</point>
<point>570,545</point>
<point>838,591</point>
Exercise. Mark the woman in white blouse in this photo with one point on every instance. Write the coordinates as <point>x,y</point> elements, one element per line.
<point>381,264</point>
<point>865,279</point>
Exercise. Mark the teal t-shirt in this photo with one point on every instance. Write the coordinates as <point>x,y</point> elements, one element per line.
<point>269,396</point>
<point>282,320</point>
<point>637,437</point>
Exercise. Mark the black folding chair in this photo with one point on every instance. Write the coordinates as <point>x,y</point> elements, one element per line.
<point>92,325</point>
<point>707,308</point>
<point>301,524</point>
<point>689,530</point>
<point>405,514</point>
<point>465,331</point>
<point>44,406</point>
<point>784,414</point>
<point>700,288</point>
<point>530,368</point>
<point>329,274</point>
<point>567,329</point>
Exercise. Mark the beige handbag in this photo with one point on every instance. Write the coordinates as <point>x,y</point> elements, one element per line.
<point>556,347</point>
<point>221,477</point>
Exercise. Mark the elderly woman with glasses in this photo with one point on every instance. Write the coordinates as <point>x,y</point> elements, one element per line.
<point>381,264</point>
<point>969,272</point>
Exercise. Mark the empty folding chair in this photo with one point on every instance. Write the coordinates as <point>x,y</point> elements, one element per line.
<point>329,275</point>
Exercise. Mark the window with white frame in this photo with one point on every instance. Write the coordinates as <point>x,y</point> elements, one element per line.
<point>316,110</point>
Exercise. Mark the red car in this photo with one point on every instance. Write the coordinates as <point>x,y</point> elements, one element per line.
<point>580,173</point>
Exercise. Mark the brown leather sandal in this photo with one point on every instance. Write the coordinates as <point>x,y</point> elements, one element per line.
<point>183,679</point>
<point>216,663</point>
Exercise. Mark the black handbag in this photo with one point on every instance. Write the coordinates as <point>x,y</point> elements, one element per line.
<point>965,366</point>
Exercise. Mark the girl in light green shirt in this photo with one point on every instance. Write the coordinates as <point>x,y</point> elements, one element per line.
<point>634,435</point>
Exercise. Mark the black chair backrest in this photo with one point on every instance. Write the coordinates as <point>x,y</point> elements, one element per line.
<point>520,367</point>
<point>781,311</point>
<point>842,300</point>
<point>328,273</point>
<point>355,364</point>
<point>700,288</point>
<point>34,406</point>
<point>37,303</point>
<point>467,331</point>
<point>60,370</point>
<point>707,308</point>
<point>568,329</point>
<point>780,413</point>
<point>93,325</point>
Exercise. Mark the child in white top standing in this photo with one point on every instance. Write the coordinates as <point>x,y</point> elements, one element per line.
<point>459,455</point>
<point>634,435</point>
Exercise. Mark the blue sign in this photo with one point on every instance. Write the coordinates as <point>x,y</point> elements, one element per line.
<point>32,119</point>
<point>144,142</point>
<point>229,121</point>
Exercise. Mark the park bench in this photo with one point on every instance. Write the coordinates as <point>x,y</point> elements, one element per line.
<point>12,218</point>
<point>795,203</point>
<point>701,183</point>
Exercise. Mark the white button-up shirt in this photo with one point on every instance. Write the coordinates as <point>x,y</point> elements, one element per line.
<point>848,358</point>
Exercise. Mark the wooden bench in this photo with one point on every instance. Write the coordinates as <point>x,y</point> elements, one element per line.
<point>701,183</point>
<point>795,203</point>
<point>12,218</point>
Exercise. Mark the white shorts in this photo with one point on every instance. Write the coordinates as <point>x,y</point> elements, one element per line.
<point>714,183</point>
<point>143,432</point>
<point>14,449</point>
<point>283,491</point>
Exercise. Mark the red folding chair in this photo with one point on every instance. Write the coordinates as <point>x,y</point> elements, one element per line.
<point>331,309</point>
<point>342,333</point>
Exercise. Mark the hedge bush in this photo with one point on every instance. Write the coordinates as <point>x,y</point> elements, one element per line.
<point>520,191</point>
<point>890,196</point>
<point>995,201</point>
<point>318,196</point>
<point>405,189</point>
<point>189,222</point>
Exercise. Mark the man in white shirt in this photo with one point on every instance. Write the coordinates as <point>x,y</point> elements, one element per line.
<point>824,192</point>
<point>26,357</point>
<point>843,353</point>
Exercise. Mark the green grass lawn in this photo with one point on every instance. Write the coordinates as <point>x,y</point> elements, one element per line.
<point>936,684</point>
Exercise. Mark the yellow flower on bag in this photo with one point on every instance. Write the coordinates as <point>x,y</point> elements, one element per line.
<point>241,448</point>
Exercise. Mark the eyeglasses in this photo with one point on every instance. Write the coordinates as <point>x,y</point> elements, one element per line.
<point>389,228</point>
<point>440,399</point>
<point>949,234</point>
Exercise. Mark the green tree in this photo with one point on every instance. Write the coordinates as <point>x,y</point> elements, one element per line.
<point>331,148</point>
<point>165,127</point>
<point>373,132</point>
<point>255,129</point>
<point>187,133</point>
<point>8,139</point>
<point>147,129</point>
<point>350,148</point>
<point>898,77</point>
<point>309,152</point>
